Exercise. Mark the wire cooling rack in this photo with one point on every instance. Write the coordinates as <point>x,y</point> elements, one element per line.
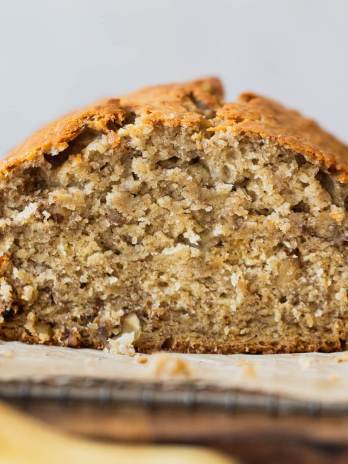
<point>183,395</point>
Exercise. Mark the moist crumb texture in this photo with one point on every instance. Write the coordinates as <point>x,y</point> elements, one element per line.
<point>171,220</point>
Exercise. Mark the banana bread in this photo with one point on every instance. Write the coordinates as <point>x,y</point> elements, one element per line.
<point>168,219</point>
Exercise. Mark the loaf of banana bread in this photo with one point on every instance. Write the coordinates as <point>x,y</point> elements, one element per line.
<point>169,219</point>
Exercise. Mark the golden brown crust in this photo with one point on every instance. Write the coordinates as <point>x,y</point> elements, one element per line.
<point>262,117</point>
<point>172,104</point>
<point>56,135</point>
<point>191,104</point>
<point>177,104</point>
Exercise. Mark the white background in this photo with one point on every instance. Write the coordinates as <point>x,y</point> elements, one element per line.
<point>59,54</point>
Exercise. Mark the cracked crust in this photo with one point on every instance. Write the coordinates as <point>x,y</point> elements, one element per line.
<point>172,104</point>
<point>192,104</point>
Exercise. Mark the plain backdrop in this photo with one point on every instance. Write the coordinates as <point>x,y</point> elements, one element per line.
<point>56,55</point>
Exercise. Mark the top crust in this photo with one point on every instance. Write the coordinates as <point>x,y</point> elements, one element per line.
<point>193,104</point>
<point>265,118</point>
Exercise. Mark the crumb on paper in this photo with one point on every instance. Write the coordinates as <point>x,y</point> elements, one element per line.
<point>343,357</point>
<point>329,381</point>
<point>249,369</point>
<point>169,366</point>
<point>124,343</point>
<point>141,359</point>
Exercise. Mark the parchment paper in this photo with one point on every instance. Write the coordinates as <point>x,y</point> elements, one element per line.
<point>311,376</point>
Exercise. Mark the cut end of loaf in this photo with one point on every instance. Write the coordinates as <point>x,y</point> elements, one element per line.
<point>188,237</point>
